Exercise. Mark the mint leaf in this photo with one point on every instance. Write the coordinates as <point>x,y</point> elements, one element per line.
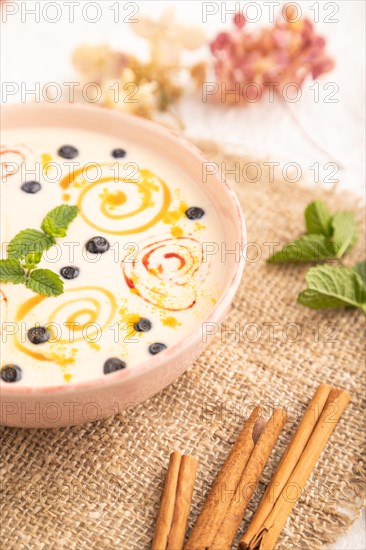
<point>11,271</point>
<point>27,242</point>
<point>58,220</point>
<point>344,232</point>
<point>360,268</point>
<point>318,219</point>
<point>31,260</point>
<point>309,248</point>
<point>333,287</point>
<point>28,246</point>
<point>45,281</point>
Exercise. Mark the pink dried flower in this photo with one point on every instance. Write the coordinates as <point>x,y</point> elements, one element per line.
<point>286,52</point>
<point>239,20</point>
<point>221,42</point>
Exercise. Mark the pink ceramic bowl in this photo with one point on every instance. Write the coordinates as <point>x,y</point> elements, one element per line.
<point>77,403</point>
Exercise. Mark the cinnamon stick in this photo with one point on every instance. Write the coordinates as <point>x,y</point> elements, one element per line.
<point>249,480</point>
<point>225,484</point>
<point>268,527</point>
<point>175,502</point>
<point>187,475</point>
<point>289,460</point>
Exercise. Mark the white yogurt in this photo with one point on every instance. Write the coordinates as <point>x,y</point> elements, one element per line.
<point>155,268</point>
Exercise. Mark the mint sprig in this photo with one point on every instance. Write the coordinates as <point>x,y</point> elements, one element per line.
<point>328,237</point>
<point>12,271</point>
<point>29,241</point>
<point>344,232</point>
<point>333,287</point>
<point>360,268</point>
<point>58,220</point>
<point>26,249</point>
<point>45,281</point>
<point>308,248</point>
<point>32,259</point>
<point>318,219</point>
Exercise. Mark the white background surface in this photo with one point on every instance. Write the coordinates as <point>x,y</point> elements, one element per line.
<point>34,52</point>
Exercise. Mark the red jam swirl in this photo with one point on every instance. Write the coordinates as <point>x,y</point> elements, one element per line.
<point>11,159</point>
<point>164,273</point>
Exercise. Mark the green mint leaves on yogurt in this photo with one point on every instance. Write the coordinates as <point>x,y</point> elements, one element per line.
<point>58,220</point>
<point>26,249</point>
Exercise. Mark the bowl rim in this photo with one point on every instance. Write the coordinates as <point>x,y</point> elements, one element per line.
<point>217,313</point>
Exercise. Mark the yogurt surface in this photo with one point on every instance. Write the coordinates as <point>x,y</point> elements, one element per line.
<point>160,277</point>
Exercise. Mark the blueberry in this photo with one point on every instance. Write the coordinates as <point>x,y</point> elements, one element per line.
<point>38,335</point>
<point>68,152</point>
<point>31,187</point>
<point>118,153</point>
<point>70,272</point>
<point>194,213</point>
<point>113,364</point>
<point>143,325</point>
<point>10,373</point>
<point>97,245</point>
<point>157,347</point>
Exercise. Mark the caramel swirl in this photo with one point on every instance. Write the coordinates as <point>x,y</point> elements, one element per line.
<point>72,315</point>
<point>126,205</point>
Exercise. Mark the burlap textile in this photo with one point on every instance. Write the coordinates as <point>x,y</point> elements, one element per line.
<point>98,486</point>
